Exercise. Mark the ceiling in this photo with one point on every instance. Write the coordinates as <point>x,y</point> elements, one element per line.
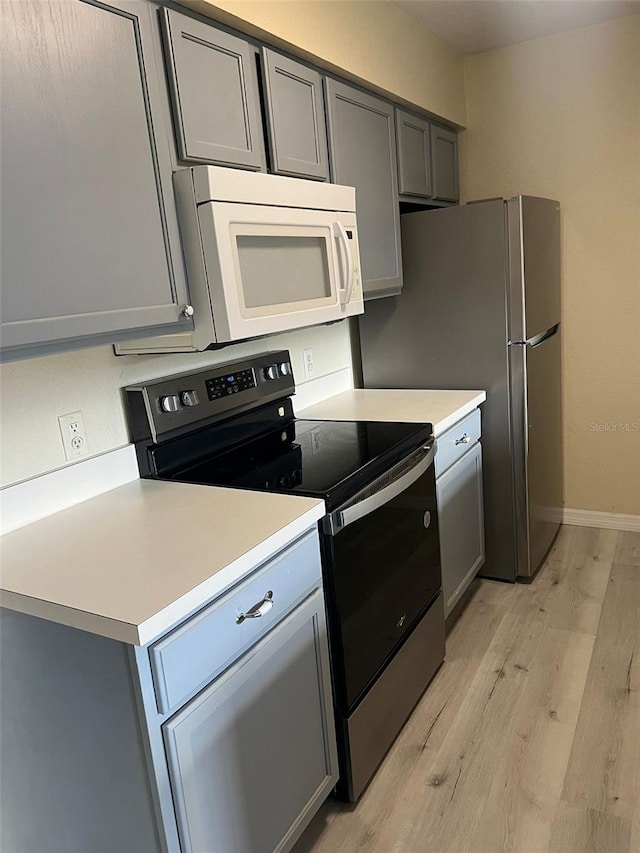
<point>473,26</point>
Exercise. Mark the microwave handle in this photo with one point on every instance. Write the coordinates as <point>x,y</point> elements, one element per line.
<point>340,232</point>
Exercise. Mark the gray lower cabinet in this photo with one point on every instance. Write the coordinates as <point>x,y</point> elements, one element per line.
<point>251,752</point>
<point>214,92</point>
<point>92,761</point>
<point>460,515</point>
<point>414,154</point>
<point>362,153</point>
<point>296,126</point>
<point>90,243</point>
<point>444,161</point>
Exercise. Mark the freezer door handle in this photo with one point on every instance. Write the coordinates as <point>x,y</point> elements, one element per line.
<point>536,340</point>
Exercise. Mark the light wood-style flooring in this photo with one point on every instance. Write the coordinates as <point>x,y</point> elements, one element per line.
<point>528,739</point>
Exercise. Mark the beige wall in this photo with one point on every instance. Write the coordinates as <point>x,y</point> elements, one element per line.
<point>371,41</point>
<point>560,117</point>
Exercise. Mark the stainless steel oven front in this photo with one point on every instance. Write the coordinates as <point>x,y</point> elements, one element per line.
<point>381,557</point>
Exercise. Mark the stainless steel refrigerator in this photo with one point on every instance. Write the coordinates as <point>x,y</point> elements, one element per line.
<point>480,308</point>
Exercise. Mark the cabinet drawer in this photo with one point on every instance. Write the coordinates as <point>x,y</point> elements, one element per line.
<point>455,442</point>
<point>191,655</point>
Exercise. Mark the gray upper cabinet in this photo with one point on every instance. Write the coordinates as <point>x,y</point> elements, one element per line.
<point>414,154</point>
<point>294,103</point>
<point>362,147</point>
<point>214,90</point>
<point>444,160</point>
<point>90,245</point>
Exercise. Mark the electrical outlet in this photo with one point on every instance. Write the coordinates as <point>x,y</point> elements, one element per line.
<point>74,437</point>
<point>307,359</point>
<point>316,444</point>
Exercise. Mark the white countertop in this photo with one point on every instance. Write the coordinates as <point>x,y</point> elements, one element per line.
<point>133,562</point>
<point>440,408</point>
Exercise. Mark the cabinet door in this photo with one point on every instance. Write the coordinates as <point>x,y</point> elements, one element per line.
<point>461,518</point>
<point>90,242</point>
<point>253,756</point>
<point>294,102</point>
<point>444,160</point>
<point>362,149</point>
<point>214,91</point>
<point>414,154</point>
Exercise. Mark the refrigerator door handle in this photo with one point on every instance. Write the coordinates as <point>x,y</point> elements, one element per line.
<point>536,340</point>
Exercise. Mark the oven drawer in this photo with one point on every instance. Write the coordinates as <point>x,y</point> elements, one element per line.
<point>191,655</point>
<point>454,443</point>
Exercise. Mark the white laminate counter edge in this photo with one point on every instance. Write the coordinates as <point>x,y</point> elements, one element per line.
<point>175,612</point>
<point>43,496</point>
<point>196,598</point>
<point>461,412</point>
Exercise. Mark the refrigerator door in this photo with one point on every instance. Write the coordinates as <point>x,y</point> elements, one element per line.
<point>537,445</point>
<point>535,376</point>
<point>534,261</point>
<point>448,329</point>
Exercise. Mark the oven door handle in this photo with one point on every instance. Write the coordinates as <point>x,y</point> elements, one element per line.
<point>342,518</point>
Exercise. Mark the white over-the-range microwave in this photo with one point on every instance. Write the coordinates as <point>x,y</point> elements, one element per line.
<point>263,254</point>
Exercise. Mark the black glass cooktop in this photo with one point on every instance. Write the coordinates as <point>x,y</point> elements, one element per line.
<point>327,459</point>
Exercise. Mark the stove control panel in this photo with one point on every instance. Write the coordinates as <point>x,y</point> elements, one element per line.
<point>231,383</point>
<point>189,400</point>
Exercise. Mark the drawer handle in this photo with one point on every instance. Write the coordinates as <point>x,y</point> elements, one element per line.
<point>257,610</point>
<point>464,440</point>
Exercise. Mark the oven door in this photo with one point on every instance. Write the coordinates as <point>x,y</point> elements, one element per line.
<point>275,268</point>
<point>382,556</point>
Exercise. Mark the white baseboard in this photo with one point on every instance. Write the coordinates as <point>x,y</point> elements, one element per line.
<point>609,520</point>
<point>34,499</point>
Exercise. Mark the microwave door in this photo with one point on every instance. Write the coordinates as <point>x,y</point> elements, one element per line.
<point>269,269</point>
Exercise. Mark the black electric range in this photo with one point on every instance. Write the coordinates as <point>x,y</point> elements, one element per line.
<point>233,425</point>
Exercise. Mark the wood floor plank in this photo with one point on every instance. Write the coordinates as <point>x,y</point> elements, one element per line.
<point>448,794</point>
<point>581,570</point>
<point>467,643</point>
<point>634,844</point>
<point>628,548</point>
<point>604,767</point>
<point>580,830</point>
<point>482,763</point>
<point>527,785</point>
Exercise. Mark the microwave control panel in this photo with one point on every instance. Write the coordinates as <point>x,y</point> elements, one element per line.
<point>167,406</point>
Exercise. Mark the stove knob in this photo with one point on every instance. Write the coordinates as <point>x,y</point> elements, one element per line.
<point>170,403</point>
<point>189,398</point>
<point>271,372</point>
<point>285,368</point>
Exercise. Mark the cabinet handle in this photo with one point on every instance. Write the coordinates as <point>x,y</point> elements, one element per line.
<point>258,609</point>
<point>464,440</point>
<point>188,311</point>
